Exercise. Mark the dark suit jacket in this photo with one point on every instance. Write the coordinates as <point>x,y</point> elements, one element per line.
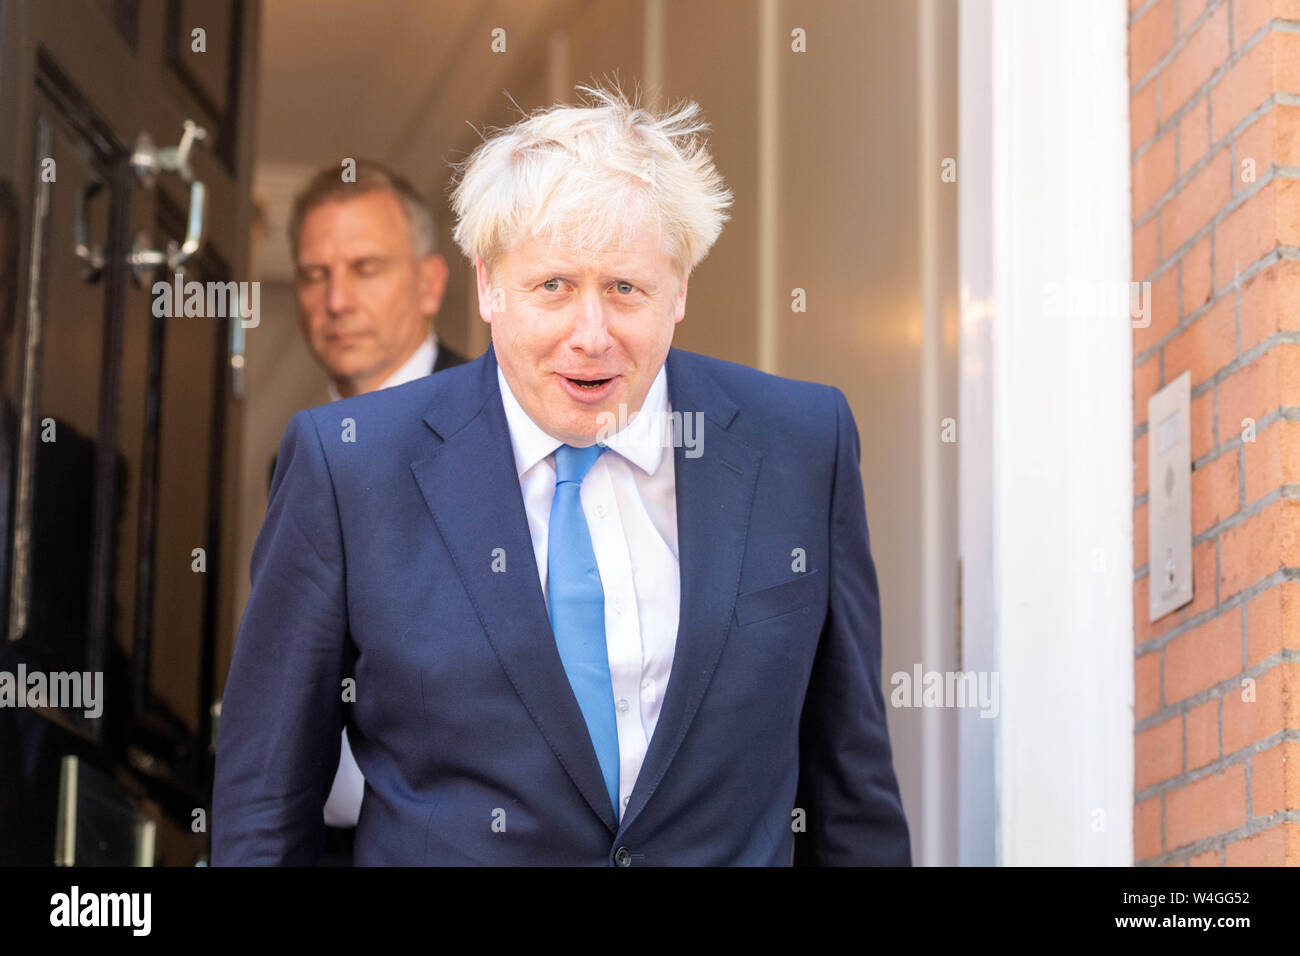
<point>375,562</point>
<point>339,840</point>
<point>446,358</point>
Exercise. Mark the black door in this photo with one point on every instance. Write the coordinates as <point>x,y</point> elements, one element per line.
<point>124,161</point>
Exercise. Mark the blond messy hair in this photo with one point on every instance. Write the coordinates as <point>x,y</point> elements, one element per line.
<point>587,176</point>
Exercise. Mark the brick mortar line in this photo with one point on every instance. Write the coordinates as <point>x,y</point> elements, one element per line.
<point>1214,411</point>
<point>1237,198</point>
<point>1214,454</point>
<point>1276,98</point>
<point>1290,490</point>
<point>1225,372</point>
<point>1234,203</point>
<point>1218,577</point>
<point>1278,253</point>
<point>1283,413</point>
<point>1136,15</point>
<point>1286,655</point>
<point>1171,123</point>
<point>1221,841</point>
<point>1287,491</point>
<point>1216,296</point>
<point>1242,499</point>
<point>1236,291</point>
<point>1228,142</point>
<point>1180,41</point>
<point>1235,55</point>
<point>1283,492</point>
<point>1242,359</point>
<point>1164,841</point>
<point>1253,749</point>
<point>1261,425</point>
<point>1280,576</point>
<point>1274,171</point>
<point>1290,412</point>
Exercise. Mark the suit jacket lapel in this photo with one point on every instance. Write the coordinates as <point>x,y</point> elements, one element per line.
<point>715,492</point>
<point>469,482</point>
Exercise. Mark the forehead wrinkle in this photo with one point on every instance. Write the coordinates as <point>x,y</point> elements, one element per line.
<point>306,262</point>
<point>544,256</point>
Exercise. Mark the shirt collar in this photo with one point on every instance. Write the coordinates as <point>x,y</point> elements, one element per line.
<point>418,365</point>
<point>640,441</point>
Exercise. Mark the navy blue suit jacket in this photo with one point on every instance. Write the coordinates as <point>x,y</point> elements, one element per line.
<point>375,602</point>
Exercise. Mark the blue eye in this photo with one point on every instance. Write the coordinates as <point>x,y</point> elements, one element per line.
<point>547,285</point>
<point>626,288</point>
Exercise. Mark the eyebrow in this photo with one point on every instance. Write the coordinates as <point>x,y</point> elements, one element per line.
<point>369,257</point>
<point>567,272</point>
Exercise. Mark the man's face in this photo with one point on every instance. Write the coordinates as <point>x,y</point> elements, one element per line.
<point>364,299</point>
<point>576,338</point>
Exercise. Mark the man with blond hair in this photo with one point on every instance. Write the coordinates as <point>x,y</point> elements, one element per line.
<point>589,599</point>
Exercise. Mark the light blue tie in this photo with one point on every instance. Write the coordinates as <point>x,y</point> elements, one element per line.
<point>578,608</point>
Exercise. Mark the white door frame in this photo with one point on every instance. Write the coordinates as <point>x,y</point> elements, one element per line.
<point>1046,457</point>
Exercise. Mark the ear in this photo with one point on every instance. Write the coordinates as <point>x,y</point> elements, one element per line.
<point>433,283</point>
<point>484,281</point>
<point>679,307</point>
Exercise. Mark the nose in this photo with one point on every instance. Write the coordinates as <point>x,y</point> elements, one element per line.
<point>590,332</point>
<point>338,292</point>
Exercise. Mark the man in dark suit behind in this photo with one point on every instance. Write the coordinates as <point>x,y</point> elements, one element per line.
<point>369,278</point>
<point>370,282</point>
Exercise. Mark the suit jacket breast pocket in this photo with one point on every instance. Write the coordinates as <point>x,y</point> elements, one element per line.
<point>767,603</point>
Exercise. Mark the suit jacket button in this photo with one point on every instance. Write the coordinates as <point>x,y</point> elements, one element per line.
<point>622,856</point>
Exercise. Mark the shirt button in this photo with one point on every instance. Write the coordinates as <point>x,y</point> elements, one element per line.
<point>648,686</point>
<point>622,705</point>
<point>618,607</point>
<point>600,511</point>
<point>622,856</point>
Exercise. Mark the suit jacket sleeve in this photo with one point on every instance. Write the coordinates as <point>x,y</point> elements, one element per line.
<point>281,716</point>
<point>847,787</point>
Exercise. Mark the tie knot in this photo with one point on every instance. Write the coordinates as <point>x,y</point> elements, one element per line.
<point>572,464</point>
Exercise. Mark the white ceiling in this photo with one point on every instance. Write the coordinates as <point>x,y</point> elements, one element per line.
<point>405,82</point>
<point>389,78</point>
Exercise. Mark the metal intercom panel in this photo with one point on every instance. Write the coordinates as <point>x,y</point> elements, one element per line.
<point>1169,506</point>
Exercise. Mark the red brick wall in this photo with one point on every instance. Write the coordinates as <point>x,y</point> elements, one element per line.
<point>1215,87</point>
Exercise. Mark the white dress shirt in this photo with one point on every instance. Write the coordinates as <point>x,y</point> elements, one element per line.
<point>343,806</point>
<point>630,501</point>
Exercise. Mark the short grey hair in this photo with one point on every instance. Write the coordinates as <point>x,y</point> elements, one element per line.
<point>327,185</point>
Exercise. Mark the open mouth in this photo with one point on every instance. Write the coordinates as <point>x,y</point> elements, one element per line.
<point>589,391</point>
